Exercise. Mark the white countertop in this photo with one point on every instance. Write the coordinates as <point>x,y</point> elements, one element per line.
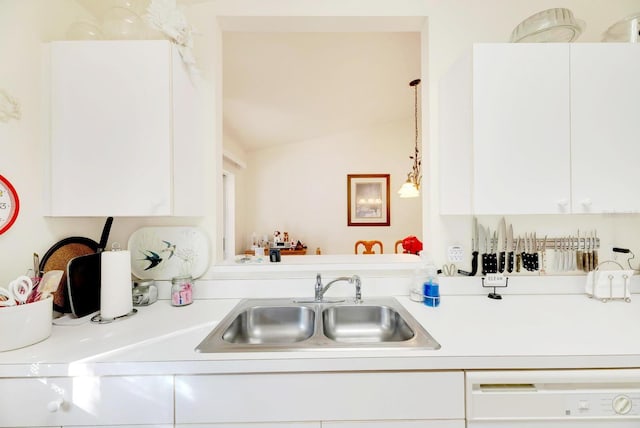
<point>520,331</point>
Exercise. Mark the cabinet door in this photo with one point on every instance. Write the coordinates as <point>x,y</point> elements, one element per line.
<point>111,128</point>
<point>255,425</point>
<point>605,127</point>
<point>394,424</point>
<point>310,397</point>
<point>86,400</point>
<point>521,137</point>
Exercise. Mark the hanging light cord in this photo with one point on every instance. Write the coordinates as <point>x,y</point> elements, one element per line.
<point>417,177</point>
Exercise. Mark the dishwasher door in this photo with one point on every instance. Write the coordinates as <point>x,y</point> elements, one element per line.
<point>553,399</point>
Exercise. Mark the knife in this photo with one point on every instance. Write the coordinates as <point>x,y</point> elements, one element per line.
<point>502,243</point>
<point>543,252</point>
<point>474,247</point>
<point>509,254</point>
<point>518,254</point>
<point>587,253</point>
<point>482,243</point>
<point>594,252</point>
<point>535,252</point>
<point>526,259</point>
<point>492,259</point>
<point>579,254</point>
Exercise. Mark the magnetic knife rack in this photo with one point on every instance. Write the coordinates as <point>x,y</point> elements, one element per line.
<point>571,243</point>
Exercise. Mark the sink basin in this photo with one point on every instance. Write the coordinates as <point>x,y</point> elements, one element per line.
<point>265,325</point>
<point>365,324</point>
<point>271,324</point>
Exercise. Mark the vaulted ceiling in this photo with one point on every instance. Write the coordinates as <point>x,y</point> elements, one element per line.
<point>281,88</point>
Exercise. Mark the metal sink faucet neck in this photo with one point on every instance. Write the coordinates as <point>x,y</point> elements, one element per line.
<point>321,290</point>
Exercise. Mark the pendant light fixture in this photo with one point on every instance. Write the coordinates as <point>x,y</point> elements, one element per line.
<point>411,188</point>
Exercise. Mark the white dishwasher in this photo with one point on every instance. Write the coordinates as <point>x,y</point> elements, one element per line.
<point>553,399</point>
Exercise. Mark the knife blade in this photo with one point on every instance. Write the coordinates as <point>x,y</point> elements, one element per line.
<point>501,241</point>
<point>509,254</point>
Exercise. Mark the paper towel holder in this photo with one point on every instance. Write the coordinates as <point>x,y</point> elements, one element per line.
<point>100,320</point>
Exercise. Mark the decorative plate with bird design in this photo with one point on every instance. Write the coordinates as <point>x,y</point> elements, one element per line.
<point>161,253</point>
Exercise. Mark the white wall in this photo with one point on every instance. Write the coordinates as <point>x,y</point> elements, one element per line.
<point>236,164</point>
<point>24,25</point>
<point>301,188</point>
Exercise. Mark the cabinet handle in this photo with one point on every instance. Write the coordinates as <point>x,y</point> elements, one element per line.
<point>55,405</point>
<point>563,203</point>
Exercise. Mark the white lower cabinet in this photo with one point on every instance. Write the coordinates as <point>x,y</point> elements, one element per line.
<point>125,426</point>
<point>394,424</point>
<point>359,399</point>
<point>87,401</point>
<point>256,425</point>
<point>354,424</point>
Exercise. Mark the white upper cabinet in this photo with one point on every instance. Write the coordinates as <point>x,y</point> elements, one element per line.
<point>605,127</point>
<point>541,129</point>
<point>124,130</point>
<point>521,128</point>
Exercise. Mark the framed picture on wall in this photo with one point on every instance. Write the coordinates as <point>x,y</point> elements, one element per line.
<point>368,200</point>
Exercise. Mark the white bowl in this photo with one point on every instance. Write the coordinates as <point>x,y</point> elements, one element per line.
<point>551,25</point>
<point>24,325</point>
<point>625,30</point>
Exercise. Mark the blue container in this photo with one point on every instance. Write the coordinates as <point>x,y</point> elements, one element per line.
<point>431,294</point>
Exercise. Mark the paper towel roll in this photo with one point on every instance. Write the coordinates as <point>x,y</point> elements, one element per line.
<point>115,291</point>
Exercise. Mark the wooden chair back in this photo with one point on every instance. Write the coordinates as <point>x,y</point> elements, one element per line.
<point>368,246</point>
<point>399,244</point>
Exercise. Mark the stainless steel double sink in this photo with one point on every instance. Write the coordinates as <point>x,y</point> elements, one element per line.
<point>288,324</point>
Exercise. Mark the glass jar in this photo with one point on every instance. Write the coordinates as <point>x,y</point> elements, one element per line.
<point>144,292</point>
<point>182,290</point>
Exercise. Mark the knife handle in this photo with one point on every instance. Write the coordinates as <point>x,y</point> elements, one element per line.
<point>474,263</point>
<point>510,262</point>
<point>579,260</point>
<point>492,263</point>
<point>501,261</point>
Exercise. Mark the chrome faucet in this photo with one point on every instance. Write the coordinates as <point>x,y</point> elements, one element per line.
<point>320,289</point>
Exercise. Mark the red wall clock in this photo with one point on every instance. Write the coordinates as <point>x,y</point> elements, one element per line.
<point>9,204</point>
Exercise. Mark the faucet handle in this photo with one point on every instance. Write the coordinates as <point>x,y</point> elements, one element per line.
<point>356,279</point>
<point>318,288</point>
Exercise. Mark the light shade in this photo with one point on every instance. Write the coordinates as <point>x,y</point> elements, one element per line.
<point>409,190</point>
